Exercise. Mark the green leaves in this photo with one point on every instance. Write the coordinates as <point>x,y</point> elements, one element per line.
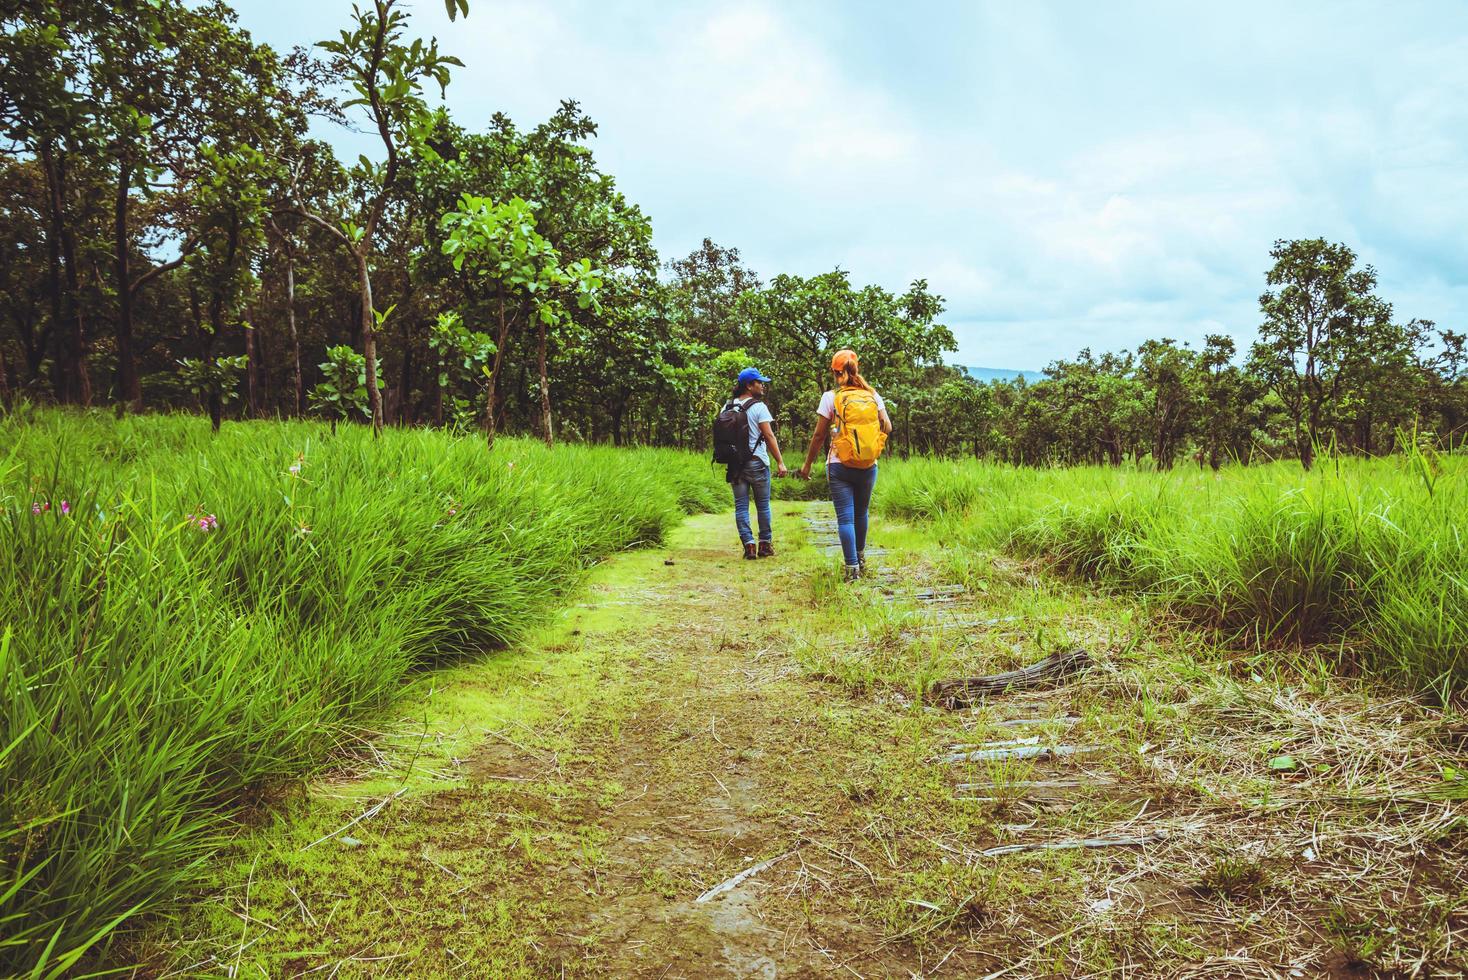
<point>342,392</point>
<point>219,376</point>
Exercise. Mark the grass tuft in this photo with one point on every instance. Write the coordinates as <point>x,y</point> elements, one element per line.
<point>1361,556</point>
<point>191,619</point>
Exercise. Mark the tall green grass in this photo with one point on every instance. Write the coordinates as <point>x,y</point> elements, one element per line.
<point>1367,555</point>
<point>159,664</point>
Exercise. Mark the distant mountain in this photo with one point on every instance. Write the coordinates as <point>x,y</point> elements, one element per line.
<point>1000,374</point>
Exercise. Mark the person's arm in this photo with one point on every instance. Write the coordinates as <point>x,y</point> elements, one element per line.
<point>818,440</point>
<point>774,446</point>
<point>884,421</point>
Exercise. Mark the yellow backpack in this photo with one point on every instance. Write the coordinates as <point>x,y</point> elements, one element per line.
<point>856,428</point>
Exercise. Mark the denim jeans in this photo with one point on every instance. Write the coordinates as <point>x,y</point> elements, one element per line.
<point>753,479</point>
<point>851,492</point>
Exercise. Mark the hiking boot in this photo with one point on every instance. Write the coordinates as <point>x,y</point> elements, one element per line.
<point>861,563</point>
<point>750,554</point>
<point>766,549</point>
<point>850,573</point>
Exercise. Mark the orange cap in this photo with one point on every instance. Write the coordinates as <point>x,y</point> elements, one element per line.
<point>843,357</point>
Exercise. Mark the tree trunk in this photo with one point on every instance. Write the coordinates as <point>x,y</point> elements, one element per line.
<point>53,278</point>
<point>290,318</point>
<point>438,395</point>
<point>252,384</point>
<point>369,341</point>
<point>76,381</point>
<point>268,404</point>
<point>617,411</point>
<point>545,409</point>
<point>494,372</point>
<point>76,355</point>
<point>4,381</point>
<point>405,382</point>
<point>129,389</point>
<point>1307,441</point>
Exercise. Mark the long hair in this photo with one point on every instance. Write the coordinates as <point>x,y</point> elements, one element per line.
<point>851,377</point>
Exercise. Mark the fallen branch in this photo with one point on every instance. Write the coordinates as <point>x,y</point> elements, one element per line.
<point>1034,784</point>
<point>1069,845</point>
<point>734,882</point>
<point>1055,669</point>
<point>1017,752</point>
<point>1066,720</point>
<point>969,747</point>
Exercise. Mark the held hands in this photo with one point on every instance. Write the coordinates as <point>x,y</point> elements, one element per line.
<point>804,473</point>
<point>782,471</point>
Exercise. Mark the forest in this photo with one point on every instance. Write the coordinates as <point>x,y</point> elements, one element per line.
<point>178,235</point>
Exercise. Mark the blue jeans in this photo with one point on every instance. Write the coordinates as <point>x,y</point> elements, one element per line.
<point>753,479</point>
<point>851,492</point>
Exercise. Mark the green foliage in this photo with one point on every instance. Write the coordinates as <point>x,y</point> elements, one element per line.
<point>342,391</point>
<point>387,74</point>
<point>217,377</point>
<point>204,618</point>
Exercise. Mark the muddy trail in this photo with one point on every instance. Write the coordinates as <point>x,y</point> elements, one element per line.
<point>712,767</point>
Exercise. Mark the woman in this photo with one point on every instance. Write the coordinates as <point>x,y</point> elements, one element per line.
<point>753,478</point>
<point>855,417</point>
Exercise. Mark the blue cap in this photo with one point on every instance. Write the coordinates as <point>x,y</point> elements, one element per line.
<point>752,374</point>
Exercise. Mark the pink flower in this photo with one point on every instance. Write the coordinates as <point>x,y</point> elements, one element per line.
<point>295,469</point>
<point>65,507</point>
<point>37,508</point>
<point>207,523</point>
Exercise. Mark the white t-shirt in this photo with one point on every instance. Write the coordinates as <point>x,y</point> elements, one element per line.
<point>827,409</point>
<point>758,412</point>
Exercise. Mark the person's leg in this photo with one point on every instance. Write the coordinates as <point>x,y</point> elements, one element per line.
<point>843,498</point>
<point>741,510</point>
<point>861,500</point>
<point>761,490</point>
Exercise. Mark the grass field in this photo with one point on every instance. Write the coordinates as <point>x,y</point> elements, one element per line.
<point>193,624</point>
<point>1365,561</point>
<point>190,620</point>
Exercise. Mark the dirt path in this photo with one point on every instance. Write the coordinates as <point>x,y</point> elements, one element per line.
<point>563,809</point>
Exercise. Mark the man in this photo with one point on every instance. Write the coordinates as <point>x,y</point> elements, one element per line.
<point>753,478</point>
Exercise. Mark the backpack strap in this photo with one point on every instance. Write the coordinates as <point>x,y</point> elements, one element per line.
<point>748,404</point>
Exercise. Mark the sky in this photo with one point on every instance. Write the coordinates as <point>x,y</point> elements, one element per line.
<point>1064,174</point>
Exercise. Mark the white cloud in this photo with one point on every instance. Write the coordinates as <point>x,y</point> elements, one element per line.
<point>1065,176</point>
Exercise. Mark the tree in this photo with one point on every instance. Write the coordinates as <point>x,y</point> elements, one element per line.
<point>1323,317</point>
<point>965,413</point>
<point>215,379</point>
<point>1169,374</point>
<point>502,247</point>
<point>1447,387</point>
<point>231,203</point>
<point>44,47</point>
<point>387,78</point>
<point>705,290</point>
<point>342,390</point>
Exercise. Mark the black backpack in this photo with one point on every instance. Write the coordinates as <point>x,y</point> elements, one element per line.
<point>731,434</point>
